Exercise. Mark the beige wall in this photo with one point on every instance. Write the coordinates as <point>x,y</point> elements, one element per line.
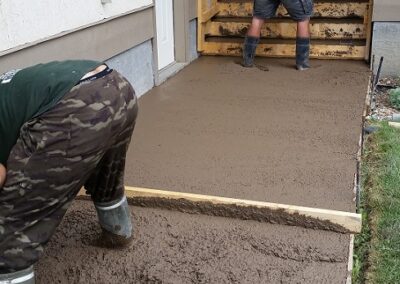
<point>23,22</point>
<point>184,12</point>
<point>97,42</point>
<point>192,9</point>
<point>103,39</point>
<point>386,11</point>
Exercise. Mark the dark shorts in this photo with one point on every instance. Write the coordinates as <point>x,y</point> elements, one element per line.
<point>299,10</point>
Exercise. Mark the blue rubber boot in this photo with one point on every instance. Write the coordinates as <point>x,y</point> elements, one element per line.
<point>302,53</point>
<point>249,50</point>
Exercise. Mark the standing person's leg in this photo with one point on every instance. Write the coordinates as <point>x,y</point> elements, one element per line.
<point>263,9</point>
<point>301,11</point>
<point>54,156</point>
<point>303,45</point>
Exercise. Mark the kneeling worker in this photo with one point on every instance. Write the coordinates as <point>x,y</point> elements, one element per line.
<point>63,125</point>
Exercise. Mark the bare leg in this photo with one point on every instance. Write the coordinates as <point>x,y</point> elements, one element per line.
<point>303,29</point>
<point>255,28</point>
<point>251,41</point>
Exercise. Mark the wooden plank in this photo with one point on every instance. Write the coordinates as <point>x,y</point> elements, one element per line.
<point>206,10</point>
<point>275,29</point>
<point>324,10</point>
<point>394,124</point>
<point>247,209</point>
<point>368,24</point>
<point>322,219</point>
<point>350,261</point>
<point>320,51</point>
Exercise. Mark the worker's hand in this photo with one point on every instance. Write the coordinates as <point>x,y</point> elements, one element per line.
<point>2,175</point>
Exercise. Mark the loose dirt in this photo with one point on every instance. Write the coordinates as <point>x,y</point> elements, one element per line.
<point>281,136</point>
<point>172,247</point>
<point>383,107</point>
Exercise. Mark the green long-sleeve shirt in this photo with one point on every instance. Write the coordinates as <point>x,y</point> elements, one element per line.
<point>27,93</point>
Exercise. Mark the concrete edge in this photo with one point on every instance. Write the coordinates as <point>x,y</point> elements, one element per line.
<point>275,213</point>
<point>357,180</point>
<point>169,71</point>
<point>351,262</point>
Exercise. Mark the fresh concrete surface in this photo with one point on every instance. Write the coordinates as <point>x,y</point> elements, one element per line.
<point>171,247</point>
<point>281,136</point>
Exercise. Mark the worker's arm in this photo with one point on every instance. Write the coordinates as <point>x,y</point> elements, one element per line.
<point>2,175</point>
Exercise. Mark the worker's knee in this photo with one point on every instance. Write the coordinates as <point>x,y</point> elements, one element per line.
<point>303,29</point>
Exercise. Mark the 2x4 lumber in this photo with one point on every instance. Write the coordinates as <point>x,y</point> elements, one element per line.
<point>350,261</point>
<point>320,51</point>
<point>368,24</point>
<point>287,29</point>
<point>323,10</point>
<point>206,10</point>
<point>322,219</point>
<point>394,124</point>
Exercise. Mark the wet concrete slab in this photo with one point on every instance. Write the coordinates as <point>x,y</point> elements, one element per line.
<point>173,247</point>
<point>280,136</point>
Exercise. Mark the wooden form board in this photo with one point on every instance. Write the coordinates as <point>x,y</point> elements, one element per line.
<point>286,50</point>
<point>368,24</point>
<point>350,261</point>
<point>328,10</point>
<point>308,217</point>
<point>315,218</point>
<point>288,29</point>
<point>394,124</point>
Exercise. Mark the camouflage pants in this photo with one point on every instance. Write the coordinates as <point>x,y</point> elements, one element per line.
<point>82,140</point>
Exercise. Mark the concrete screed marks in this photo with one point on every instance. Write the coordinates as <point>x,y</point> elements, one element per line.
<point>173,247</point>
<point>281,136</point>
<point>218,129</point>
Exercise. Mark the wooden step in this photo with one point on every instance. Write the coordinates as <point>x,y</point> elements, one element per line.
<point>321,49</point>
<point>285,28</point>
<point>331,9</point>
<point>340,29</point>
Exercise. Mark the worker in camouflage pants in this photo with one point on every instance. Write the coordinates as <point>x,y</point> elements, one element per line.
<point>63,125</point>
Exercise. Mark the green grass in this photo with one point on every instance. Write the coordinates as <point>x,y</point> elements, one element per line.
<point>377,248</point>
